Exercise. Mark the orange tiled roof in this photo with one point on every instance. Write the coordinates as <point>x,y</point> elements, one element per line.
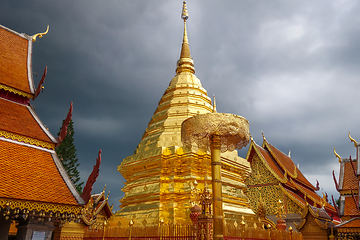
<point>269,161</point>
<point>17,119</point>
<point>30,174</point>
<point>289,165</point>
<point>283,159</point>
<point>313,196</point>
<point>350,180</point>
<point>350,207</point>
<point>294,195</point>
<point>13,61</point>
<point>353,223</point>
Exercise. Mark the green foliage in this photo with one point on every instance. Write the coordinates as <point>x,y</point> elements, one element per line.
<point>67,154</point>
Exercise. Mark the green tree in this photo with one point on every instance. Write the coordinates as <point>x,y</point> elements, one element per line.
<point>67,154</point>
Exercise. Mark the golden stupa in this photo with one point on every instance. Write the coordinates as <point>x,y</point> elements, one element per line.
<point>161,172</point>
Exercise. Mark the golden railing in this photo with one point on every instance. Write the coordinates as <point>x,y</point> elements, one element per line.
<point>186,232</point>
<point>164,232</point>
<point>247,233</point>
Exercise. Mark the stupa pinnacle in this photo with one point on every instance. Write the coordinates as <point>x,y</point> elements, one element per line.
<point>185,63</point>
<point>160,173</point>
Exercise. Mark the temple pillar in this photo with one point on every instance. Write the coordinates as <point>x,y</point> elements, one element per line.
<point>4,228</point>
<point>34,229</point>
<point>217,187</point>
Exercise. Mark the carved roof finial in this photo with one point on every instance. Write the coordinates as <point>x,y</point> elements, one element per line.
<point>337,155</point>
<point>40,35</point>
<point>289,154</point>
<point>353,140</point>
<point>262,133</point>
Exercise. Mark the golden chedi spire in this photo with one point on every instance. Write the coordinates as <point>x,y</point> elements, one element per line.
<point>161,168</point>
<point>185,63</point>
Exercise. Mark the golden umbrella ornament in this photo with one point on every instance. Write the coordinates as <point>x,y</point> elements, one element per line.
<point>216,132</point>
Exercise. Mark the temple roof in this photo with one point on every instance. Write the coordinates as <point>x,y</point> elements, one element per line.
<point>352,223</point>
<point>15,59</point>
<point>322,218</point>
<point>349,178</point>
<point>19,122</point>
<point>350,206</point>
<point>292,181</point>
<point>286,164</point>
<point>32,174</point>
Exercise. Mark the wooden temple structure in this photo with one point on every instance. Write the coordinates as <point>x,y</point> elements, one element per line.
<point>35,189</point>
<point>275,177</point>
<point>348,186</point>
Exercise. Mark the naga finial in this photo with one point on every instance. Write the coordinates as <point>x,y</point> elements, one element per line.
<point>353,140</point>
<point>337,155</point>
<point>323,200</point>
<point>40,35</point>
<point>262,133</point>
<point>184,13</point>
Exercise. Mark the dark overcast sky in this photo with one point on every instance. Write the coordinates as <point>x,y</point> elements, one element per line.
<point>290,67</point>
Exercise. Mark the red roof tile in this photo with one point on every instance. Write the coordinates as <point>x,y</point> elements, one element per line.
<point>350,206</point>
<point>313,196</point>
<point>286,162</point>
<point>350,180</point>
<point>353,223</point>
<point>283,159</point>
<point>13,61</point>
<point>30,174</point>
<point>17,119</point>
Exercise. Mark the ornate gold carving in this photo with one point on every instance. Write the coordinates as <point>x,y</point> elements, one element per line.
<point>38,206</point>
<point>27,140</point>
<point>233,131</point>
<point>40,35</point>
<point>18,92</point>
<point>353,140</point>
<point>337,155</point>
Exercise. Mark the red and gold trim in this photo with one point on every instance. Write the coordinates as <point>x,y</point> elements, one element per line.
<point>28,140</point>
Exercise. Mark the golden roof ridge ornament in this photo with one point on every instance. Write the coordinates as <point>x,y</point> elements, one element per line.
<point>40,35</point>
<point>262,133</point>
<point>185,63</point>
<point>353,140</point>
<point>337,155</point>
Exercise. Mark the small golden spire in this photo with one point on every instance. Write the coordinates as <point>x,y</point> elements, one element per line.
<point>214,105</point>
<point>185,63</point>
<point>337,155</point>
<point>184,13</point>
<point>40,35</point>
<point>353,140</point>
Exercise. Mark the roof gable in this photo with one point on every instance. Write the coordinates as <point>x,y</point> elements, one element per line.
<point>19,122</point>
<point>31,174</point>
<point>15,62</point>
<point>267,160</point>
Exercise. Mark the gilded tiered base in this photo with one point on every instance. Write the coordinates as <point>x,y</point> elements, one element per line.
<point>159,187</point>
